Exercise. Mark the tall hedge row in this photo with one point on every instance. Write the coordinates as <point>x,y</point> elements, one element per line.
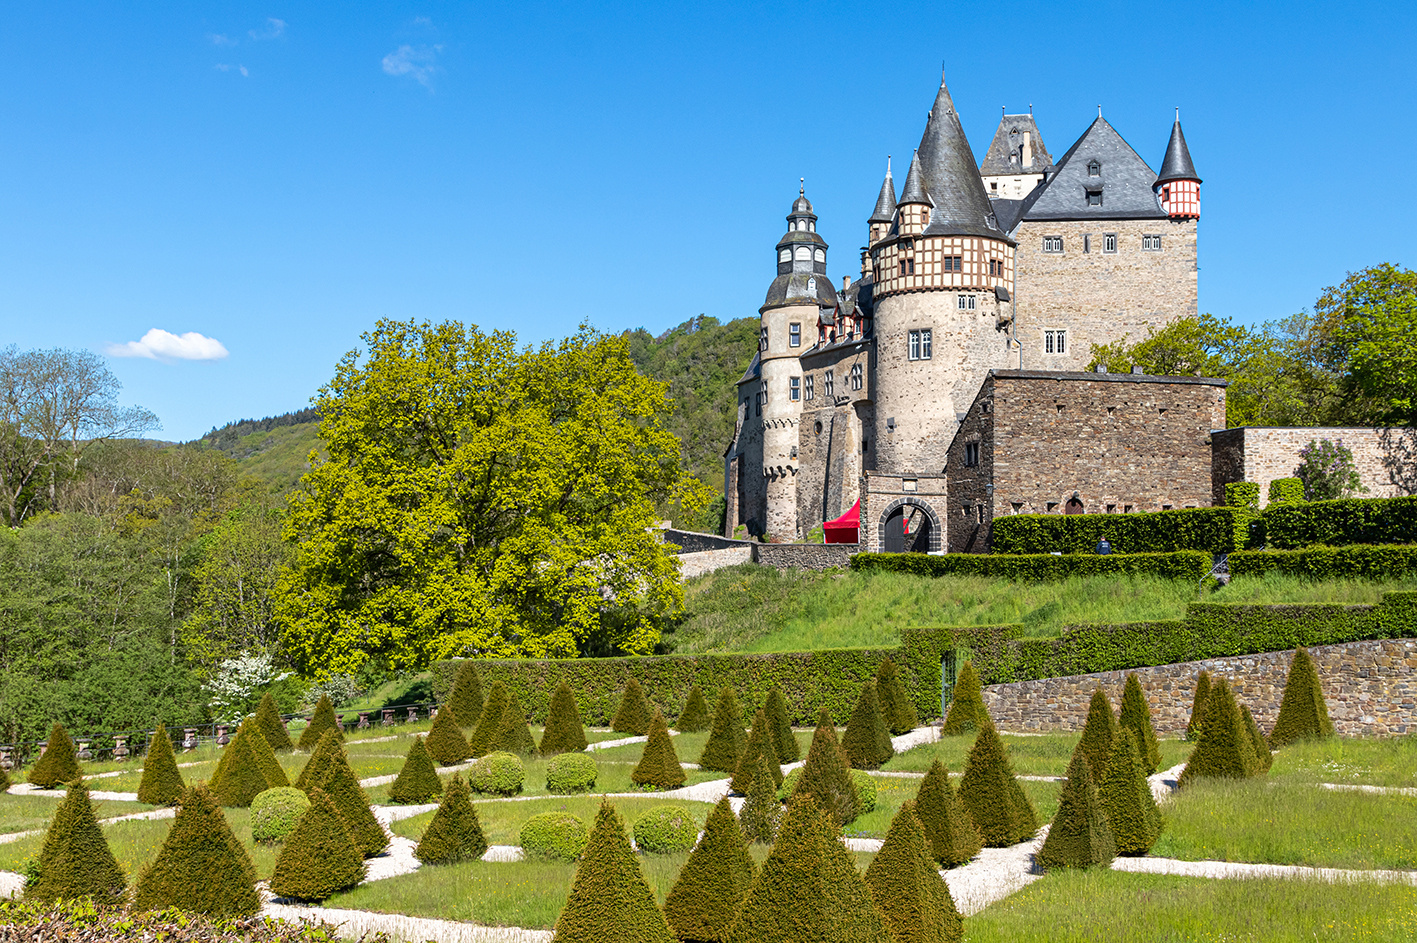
<point>1212,530</point>
<point>1040,567</point>
<point>1346,521</point>
<point>1358,561</point>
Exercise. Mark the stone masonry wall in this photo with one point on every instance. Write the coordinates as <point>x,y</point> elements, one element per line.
<point>1370,687</point>
<point>1386,459</point>
<point>699,562</point>
<point>804,556</point>
<point>882,493</point>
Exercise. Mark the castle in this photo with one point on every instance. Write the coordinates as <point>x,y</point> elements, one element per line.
<point>975,278</point>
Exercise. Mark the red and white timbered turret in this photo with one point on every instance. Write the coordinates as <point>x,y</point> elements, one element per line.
<point>1178,186</point>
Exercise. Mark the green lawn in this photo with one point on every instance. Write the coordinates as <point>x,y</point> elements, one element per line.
<point>26,813</point>
<point>502,821</point>
<point>892,791</point>
<point>1044,755</point>
<point>1100,905</point>
<point>1386,761</point>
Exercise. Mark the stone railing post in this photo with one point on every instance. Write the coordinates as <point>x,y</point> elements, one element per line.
<point>120,747</point>
<point>84,752</point>
<point>189,738</point>
<point>413,715</point>
<point>388,720</point>
<point>363,721</point>
<point>221,736</point>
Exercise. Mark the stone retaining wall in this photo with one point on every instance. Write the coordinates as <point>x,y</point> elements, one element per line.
<point>804,556</point>
<point>1370,687</point>
<point>690,541</point>
<point>706,561</point>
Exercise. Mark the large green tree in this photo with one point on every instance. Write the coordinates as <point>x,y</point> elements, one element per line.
<point>1369,328</point>
<point>481,499</point>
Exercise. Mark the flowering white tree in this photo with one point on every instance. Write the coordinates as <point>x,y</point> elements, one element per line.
<point>238,683</point>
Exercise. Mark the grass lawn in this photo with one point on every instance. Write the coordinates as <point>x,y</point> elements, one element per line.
<point>1289,823</point>
<point>502,821</point>
<point>1091,906</point>
<point>1386,761</point>
<point>1045,755</point>
<point>891,791</point>
<point>26,813</point>
<point>689,747</point>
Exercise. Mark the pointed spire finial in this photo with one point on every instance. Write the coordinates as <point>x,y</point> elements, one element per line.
<point>1003,111</point>
<point>1178,112</point>
<point>1030,109</point>
<point>942,73</point>
<point>888,165</point>
<point>802,188</point>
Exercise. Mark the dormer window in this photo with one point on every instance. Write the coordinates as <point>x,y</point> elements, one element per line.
<point>1094,168</point>
<point>1094,198</point>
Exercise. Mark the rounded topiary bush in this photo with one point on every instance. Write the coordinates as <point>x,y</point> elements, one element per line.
<point>666,829</point>
<point>571,772</point>
<point>865,788</point>
<point>557,836</point>
<point>497,774</point>
<point>275,812</point>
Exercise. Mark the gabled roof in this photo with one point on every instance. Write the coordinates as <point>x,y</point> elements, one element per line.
<point>1177,163</point>
<point>1005,154</point>
<point>885,203</point>
<point>1124,179</point>
<point>961,207</point>
<point>754,371</point>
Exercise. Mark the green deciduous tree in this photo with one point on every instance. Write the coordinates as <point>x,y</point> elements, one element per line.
<point>1368,326</point>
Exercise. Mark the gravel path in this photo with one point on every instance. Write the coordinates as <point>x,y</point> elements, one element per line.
<point>25,789</point>
<point>165,813</point>
<point>1164,783</point>
<point>11,884</point>
<point>1240,870</point>
<point>994,874</point>
<point>356,923</point>
<point>1376,790</point>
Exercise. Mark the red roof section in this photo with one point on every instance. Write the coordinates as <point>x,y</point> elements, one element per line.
<point>845,529</point>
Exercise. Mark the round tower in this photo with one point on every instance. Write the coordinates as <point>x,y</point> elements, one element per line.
<point>1178,187</point>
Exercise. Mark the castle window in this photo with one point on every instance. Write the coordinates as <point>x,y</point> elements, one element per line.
<point>1087,243</point>
<point>953,263</point>
<point>1165,194</point>
<point>907,245</point>
<point>785,255</point>
<point>980,509</point>
<point>971,454</point>
<point>821,255</point>
<point>907,266</point>
<point>1094,168</point>
<point>1055,342</point>
<point>1016,507</point>
<point>993,185</point>
<point>857,377</point>
<point>1151,243</point>
<point>920,345</point>
<point>794,388</point>
<point>811,387</point>
<point>794,334</point>
<point>966,302</point>
<point>1109,242</point>
<point>1052,243</point>
<point>995,268</point>
<point>925,216</point>
<point>828,384</point>
<point>763,392</point>
<point>763,339</point>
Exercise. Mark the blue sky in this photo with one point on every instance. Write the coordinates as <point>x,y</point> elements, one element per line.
<point>271,178</point>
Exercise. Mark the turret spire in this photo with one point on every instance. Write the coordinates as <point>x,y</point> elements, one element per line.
<point>885,203</point>
<point>914,191</point>
<point>1177,163</point>
<point>950,176</point>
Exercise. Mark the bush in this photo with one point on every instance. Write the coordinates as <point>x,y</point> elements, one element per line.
<point>465,701</point>
<point>571,772</point>
<point>59,764</point>
<point>1285,491</point>
<point>1244,495</point>
<point>319,858</point>
<point>271,726</point>
<point>564,732</point>
<point>725,742</point>
<point>762,810</point>
<point>1326,469</point>
<point>75,860</point>
<point>446,743</point>
<point>1098,734</point>
<point>909,893</point>
<point>497,774</point>
<point>314,769</point>
<point>609,899</point>
<point>951,833</point>
<point>1336,523</point>
<point>967,711</point>
<point>418,778</point>
<point>202,868</point>
<point>759,753</point>
<point>633,717</point>
<point>666,829</point>
<point>237,778</point>
<point>1359,561</point>
<point>784,743</point>
<point>1210,530</point>
<point>1081,836</point>
<point>162,782</point>
<point>1136,717</point>
<point>455,834</point>
<point>489,721</point>
<point>275,812</point>
<point>659,765</point>
<point>1257,739</point>
<point>262,753</point>
<point>556,836</point>
<point>896,708</point>
<point>323,720</point>
<point>340,785</point>
<point>867,742</point>
<point>826,776</point>
<point>1045,567</point>
<point>1126,798</point>
<point>861,781</point>
<point>695,716</point>
<point>992,795</point>
<point>1196,724</point>
<point>1303,714</point>
<point>713,883</point>
<point>1224,750</point>
<point>514,733</point>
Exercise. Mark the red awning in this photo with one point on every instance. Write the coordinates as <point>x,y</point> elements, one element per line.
<point>845,529</point>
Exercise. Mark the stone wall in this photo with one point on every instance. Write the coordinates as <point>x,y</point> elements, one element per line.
<point>1370,687</point>
<point>691,541</point>
<point>1386,459</point>
<point>804,556</point>
<point>882,494</point>
<point>706,561</point>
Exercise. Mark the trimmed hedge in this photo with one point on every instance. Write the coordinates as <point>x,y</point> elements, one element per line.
<point>1286,491</point>
<point>571,772</point>
<point>202,868</point>
<point>666,829</point>
<point>564,731</point>
<point>319,858</point>
<point>455,834</point>
<point>1212,530</point>
<point>1042,567</point>
<point>609,900</point>
<point>497,774</point>
<point>1359,561</point>
<point>58,764</point>
<point>556,836</point>
<point>272,727</point>
<point>162,782</point>
<point>1081,836</point>
<point>1345,521</point>
<point>909,893</point>
<point>1303,714</point>
<point>275,812</point>
<point>659,766</point>
<point>418,780</point>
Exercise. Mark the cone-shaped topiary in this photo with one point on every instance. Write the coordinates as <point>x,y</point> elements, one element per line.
<point>1127,800</point>
<point>418,779</point>
<point>318,858</point>
<point>465,700</point>
<point>1303,715</point>
<point>238,778</point>
<point>759,747</point>
<point>713,883</point>
<point>342,787</point>
<point>826,776</point>
<point>564,731</point>
<point>725,742</point>
<point>695,716</point>
<point>75,860</point>
<point>913,899</point>
<point>896,706</point>
<point>609,900</point>
<point>1257,739</point>
<point>314,769</point>
<point>867,740</point>
<point>514,733</point>
<point>161,783</point>
<point>992,795</point>
<point>1098,734</point>
<point>1196,724</point>
<point>762,811</point>
<point>479,742</point>
<point>455,834</point>
<point>1136,716</point>
<point>59,764</point>
<point>1080,836</point>
<point>1224,750</point>
<point>262,753</point>
<point>967,711</point>
<point>324,719</point>
<point>446,744</point>
<point>272,727</point>
<point>951,833</point>
<point>808,888</point>
<point>659,763</point>
<point>784,744</point>
<point>201,868</point>
<point>633,715</point>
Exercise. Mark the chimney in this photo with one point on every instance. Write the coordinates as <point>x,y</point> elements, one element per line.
<point>1028,148</point>
<point>1138,370</point>
<point>845,282</point>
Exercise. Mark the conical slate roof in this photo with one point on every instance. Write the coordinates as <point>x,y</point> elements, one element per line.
<point>961,207</point>
<point>914,191</point>
<point>885,203</point>
<point>1123,178</point>
<point>1177,163</point>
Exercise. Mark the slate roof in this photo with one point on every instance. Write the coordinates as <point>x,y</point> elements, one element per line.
<point>1126,181</point>
<point>1177,163</point>
<point>755,369</point>
<point>1008,211</point>
<point>914,191</point>
<point>1005,154</point>
<point>885,203</point>
<point>961,207</point>
<point>792,288</point>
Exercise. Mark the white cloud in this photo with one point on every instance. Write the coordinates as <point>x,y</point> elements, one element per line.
<point>219,40</point>
<point>416,62</point>
<point>225,67</point>
<point>274,29</point>
<point>158,344</point>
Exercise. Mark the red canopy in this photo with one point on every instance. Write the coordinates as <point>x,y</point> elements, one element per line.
<point>845,529</point>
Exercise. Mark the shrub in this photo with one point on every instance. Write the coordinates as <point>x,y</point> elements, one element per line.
<point>1042,567</point>
<point>1196,724</point>
<point>1285,491</point>
<point>445,743</point>
<point>949,830</point>
<point>659,765</point>
<point>759,748</point>
<point>314,769</point>
<point>489,721</point>
<point>1126,798</point>
<point>1257,739</point>
<point>991,794</point>
<point>556,836</point>
<point>967,711</point>
<point>455,834</point>
<point>666,829</point>
<point>201,868</point>
<point>564,732</point>
<point>4,780</point>
<point>262,753</point>
<point>75,860</point>
<point>867,742</point>
<point>465,701</point>
<point>497,774</point>
<point>1136,717</point>
<point>609,898</point>
<point>1303,714</point>
<point>1360,561</point>
<point>695,716</point>
<point>910,894</point>
<point>725,742</point>
<point>1345,521</point>
<point>1098,734</point>
<point>237,778</point>
<point>418,778</point>
<point>713,883</point>
<point>59,764</point>
<point>1224,749</point>
<point>514,733</point>
<point>322,720</point>
<point>319,858</point>
<point>1327,472</point>
<point>162,782</point>
<point>633,717</point>
<point>275,812</point>
<point>1244,495</point>
<point>571,772</point>
<point>826,776</point>
<point>861,781</point>
<point>340,785</point>
<point>784,744</point>
<point>762,810</point>
<point>1080,836</point>
<point>272,727</point>
<point>1210,530</point>
<point>896,708</point>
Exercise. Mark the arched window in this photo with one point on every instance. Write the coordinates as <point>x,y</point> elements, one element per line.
<point>785,255</point>
<point>804,254</point>
<point>821,255</point>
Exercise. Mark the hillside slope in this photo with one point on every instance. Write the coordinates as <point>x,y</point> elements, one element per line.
<point>274,449</point>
